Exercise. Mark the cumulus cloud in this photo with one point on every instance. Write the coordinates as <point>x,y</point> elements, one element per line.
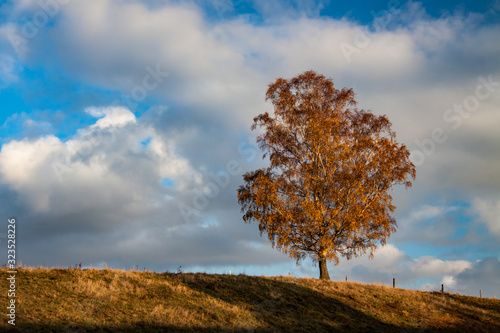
<point>386,259</point>
<point>103,186</point>
<point>428,266</point>
<point>20,159</point>
<point>482,275</point>
<point>417,272</point>
<point>105,162</point>
<point>489,213</point>
<point>113,116</point>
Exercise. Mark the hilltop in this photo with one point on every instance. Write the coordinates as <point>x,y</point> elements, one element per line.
<point>114,300</point>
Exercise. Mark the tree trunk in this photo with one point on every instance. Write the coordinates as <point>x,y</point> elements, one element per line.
<point>323,270</point>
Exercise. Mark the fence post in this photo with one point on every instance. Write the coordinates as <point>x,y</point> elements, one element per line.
<point>442,289</point>
<point>229,272</point>
<point>480,294</point>
<point>346,278</point>
<point>394,282</point>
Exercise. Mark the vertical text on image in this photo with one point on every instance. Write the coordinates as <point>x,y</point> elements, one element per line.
<point>11,264</point>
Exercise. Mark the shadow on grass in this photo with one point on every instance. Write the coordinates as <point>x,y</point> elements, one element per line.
<point>286,306</point>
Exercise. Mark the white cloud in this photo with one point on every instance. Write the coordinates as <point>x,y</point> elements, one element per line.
<point>427,212</point>
<point>27,126</point>
<point>95,112</point>
<point>483,275</point>
<point>390,259</point>
<point>11,38</point>
<point>8,70</point>
<point>105,159</point>
<point>489,213</point>
<point>113,116</point>
<point>19,160</point>
<point>449,281</point>
<point>411,272</point>
<point>386,258</point>
<point>429,266</point>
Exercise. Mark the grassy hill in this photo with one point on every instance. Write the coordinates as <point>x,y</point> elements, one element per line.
<point>71,300</point>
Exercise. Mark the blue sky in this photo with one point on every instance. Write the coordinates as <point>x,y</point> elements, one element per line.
<point>125,129</point>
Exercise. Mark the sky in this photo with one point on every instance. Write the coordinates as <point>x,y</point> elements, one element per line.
<point>125,130</point>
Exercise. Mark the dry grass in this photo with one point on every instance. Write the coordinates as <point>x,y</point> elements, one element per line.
<point>63,300</point>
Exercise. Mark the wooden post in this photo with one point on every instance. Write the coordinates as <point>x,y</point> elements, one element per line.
<point>346,278</point>
<point>442,289</point>
<point>289,274</point>
<point>480,294</point>
<point>229,272</point>
<point>394,282</point>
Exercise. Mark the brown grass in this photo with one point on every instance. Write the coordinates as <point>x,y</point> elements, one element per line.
<point>64,300</point>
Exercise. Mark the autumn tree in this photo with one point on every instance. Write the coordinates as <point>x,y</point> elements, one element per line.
<point>326,192</point>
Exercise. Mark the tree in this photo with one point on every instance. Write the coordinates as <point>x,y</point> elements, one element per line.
<point>326,192</point>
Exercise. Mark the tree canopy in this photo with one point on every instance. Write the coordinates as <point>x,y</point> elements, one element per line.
<point>326,192</point>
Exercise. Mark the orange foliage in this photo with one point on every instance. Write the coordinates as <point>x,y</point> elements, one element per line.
<point>326,191</point>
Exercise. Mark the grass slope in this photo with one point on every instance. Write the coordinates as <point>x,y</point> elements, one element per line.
<point>70,300</point>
